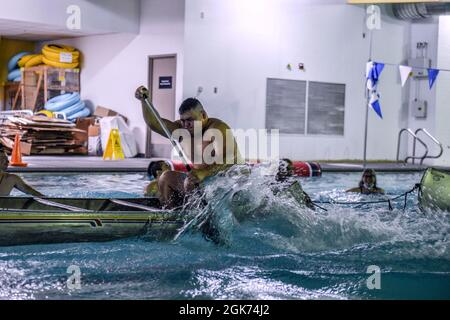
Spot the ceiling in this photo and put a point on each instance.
(35, 32)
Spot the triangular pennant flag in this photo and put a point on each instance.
(375, 104)
(432, 75)
(378, 69)
(373, 72)
(369, 66)
(405, 73)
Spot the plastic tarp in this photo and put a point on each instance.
(127, 139)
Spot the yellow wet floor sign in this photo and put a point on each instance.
(114, 149)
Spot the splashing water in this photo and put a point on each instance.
(273, 248)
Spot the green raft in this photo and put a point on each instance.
(26, 221)
(434, 192)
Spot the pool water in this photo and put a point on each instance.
(283, 251)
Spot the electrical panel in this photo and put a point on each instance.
(419, 108)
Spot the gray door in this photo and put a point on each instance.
(162, 75)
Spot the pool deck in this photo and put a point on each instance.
(97, 164)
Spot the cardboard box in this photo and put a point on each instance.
(94, 141)
(105, 112)
(81, 137)
(84, 123)
(25, 148)
(94, 130)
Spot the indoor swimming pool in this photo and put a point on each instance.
(289, 252)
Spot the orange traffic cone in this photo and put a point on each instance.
(16, 157)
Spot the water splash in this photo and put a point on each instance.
(237, 204)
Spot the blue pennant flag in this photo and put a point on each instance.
(375, 104)
(432, 75)
(373, 72)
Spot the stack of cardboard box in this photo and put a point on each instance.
(91, 127)
(42, 135)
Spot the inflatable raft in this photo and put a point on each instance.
(25, 221)
(434, 192)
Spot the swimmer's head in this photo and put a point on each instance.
(368, 179)
(156, 168)
(285, 170)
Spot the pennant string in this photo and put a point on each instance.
(397, 65)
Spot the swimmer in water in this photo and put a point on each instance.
(368, 184)
(243, 202)
(285, 185)
(155, 170)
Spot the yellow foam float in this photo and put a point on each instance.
(59, 64)
(34, 61)
(60, 56)
(22, 62)
(46, 113)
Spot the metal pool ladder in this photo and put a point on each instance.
(416, 138)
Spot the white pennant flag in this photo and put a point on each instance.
(405, 72)
(369, 67)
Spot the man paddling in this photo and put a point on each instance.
(10, 181)
(173, 185)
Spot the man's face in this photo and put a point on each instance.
(189, 117)
(4, 162)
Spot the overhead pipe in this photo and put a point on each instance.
(417, 11)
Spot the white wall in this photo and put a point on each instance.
(103, 16)
(238, 44)
(422, 31)
(115, 65)
(443, 91)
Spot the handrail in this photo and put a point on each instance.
(411, 133)
(433, 139)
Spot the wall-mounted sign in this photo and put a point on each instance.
(165, 82)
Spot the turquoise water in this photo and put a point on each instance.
(280, 251)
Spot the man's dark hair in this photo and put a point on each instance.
(155, 166)
(189, 104)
